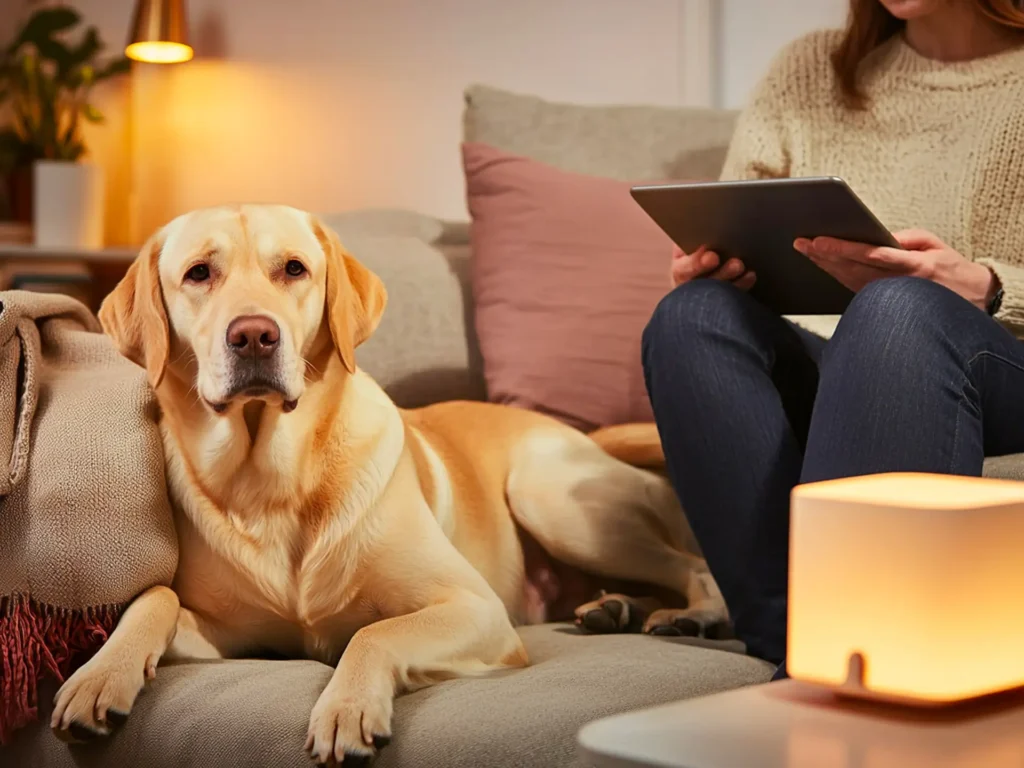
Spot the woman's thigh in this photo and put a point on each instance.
(732, 385)
(915, 379)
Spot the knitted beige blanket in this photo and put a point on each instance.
(85, 522)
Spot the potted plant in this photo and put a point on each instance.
(46, 77)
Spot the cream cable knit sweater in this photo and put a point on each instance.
(941, 146)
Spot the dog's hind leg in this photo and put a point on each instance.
(610, 519)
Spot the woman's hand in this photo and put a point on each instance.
(921, 254)
(705, 263)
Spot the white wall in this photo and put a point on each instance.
(752, 31)
(335, 104)
(330, 105)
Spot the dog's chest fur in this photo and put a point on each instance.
(267, 572)
(263, 595)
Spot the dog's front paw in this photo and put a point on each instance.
(611, 614)
(348, 727)
(98, 697)
(685, 622)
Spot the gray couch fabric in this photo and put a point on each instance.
(255, 713)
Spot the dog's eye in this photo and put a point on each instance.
(294, 268)
(198, 274)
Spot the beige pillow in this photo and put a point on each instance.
(385, 222)
(424, 350)
(617, 142)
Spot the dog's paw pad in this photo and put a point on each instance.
(116, 718)
(610, 614)
(615, 609)
(603, 620)
(84, 733)
(688, 627)
(665, 631)
(720, 630)
(682, 623)
(380, 741)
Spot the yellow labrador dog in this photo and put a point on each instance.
(318, 520)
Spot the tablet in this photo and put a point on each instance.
(757, 222)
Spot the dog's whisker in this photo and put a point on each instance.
(188, 351)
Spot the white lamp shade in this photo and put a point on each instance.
(908, 587)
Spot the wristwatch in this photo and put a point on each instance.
(997, 298)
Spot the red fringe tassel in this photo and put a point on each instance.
(38, 640)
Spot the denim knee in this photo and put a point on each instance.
(693, 312)
(896, 319)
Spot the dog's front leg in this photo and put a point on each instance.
(198, 637)
(101, 693)
(465, 634)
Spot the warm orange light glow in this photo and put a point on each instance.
(920, 574)
(159, 52)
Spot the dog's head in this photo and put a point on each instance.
(239, 300)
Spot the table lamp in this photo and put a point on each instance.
(908, 587)
(159, 32)
(905, 644)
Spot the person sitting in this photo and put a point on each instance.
(919, 106)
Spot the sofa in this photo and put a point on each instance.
(255, 712)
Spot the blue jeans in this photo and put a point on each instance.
(747, 405)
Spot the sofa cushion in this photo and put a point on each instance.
(1009, 467)
(425, 349)
(618, 142)
(567, 270)
(255, 713)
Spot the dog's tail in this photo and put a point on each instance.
(636, 444)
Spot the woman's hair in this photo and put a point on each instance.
(870, 24)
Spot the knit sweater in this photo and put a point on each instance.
(939, 147)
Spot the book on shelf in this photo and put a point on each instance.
(69, 278)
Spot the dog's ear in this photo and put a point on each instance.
(355, 298)
(133, 314)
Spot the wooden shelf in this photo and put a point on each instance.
(88, 274)
(119, 255)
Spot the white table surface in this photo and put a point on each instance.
(793, 725)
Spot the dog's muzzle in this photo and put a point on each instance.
(253, 342)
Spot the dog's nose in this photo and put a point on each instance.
(253, 336)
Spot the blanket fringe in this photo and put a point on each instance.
(37, 640)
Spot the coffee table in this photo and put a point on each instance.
(789, 724)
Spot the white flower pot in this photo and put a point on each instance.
(67, 204)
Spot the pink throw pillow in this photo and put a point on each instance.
(567, 270)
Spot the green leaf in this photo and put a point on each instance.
(48, 117)
(114, 67)
(93, 115)
(45, 78)
(84, 52)
(57, 52)
(29, 65)
(44, 24)
(71, 134)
